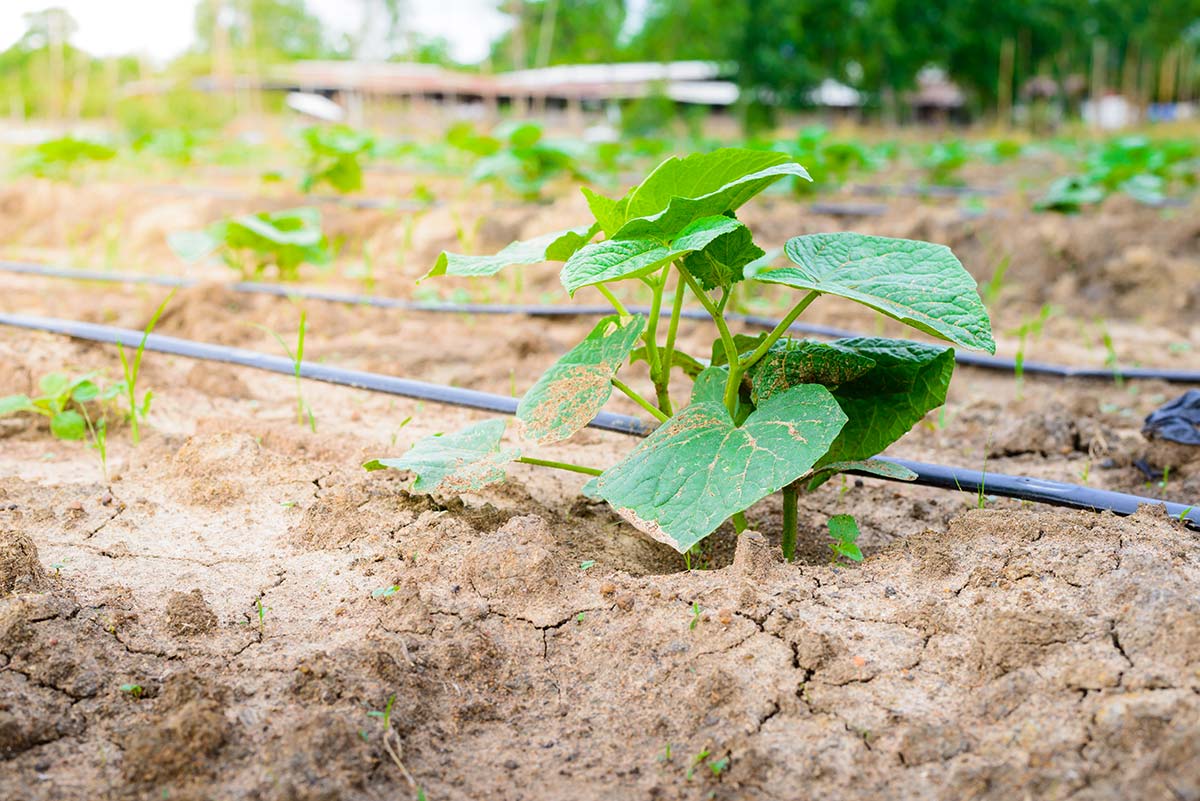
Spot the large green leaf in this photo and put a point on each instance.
(698, 469)
(791, 362)
(616, 259)
(680, 191)
(720, 264)
(918, 283)
(464, 461)
(569, 394)
(529, 251)
(909, 380)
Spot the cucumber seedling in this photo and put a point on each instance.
(253, 242)
(335, 156)
(766, 412)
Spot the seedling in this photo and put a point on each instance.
(135, 690)
(696, 611)
(54, 158)
(252, 243)
(138, 409)
(843, 530)
(767, 411)
(385, 592)
(391, 740)
(335, 156)
(587, 565)
(517, 157)
(61, 400)
(303, 410)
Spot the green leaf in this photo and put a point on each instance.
(917, 283)
(13, 404)
(84, 391)
(909, 380)
(609, 213)
(54, 385)
(68, 425)
(528, 251)
(791, 362)
(880, 468)
(698, 469)
(569, 394)
(680, 191)
(843, 530)
(722, 262)
(464, 461)
(616, 259)
(565, 246)
(194, 245)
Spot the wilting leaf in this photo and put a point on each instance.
(464, 461)
(569, 394)
(791, 362)
(697, 469)
(917, 283)
(528, 251)
(615, 259)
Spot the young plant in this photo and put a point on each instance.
(138, 410)
(252, 243)
(517, 157)
(335, 156)
(766, 411)
(54, 158)
(303, 410)
(61, 401)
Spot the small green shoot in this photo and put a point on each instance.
(587, 565)
(385, 592)
(391, 740)
(252, 243)
(134, 690)
(303, 410)
(696, 612)
(138, 410)
(843, 531)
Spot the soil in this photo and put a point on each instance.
(241, 612)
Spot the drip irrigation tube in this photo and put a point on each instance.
(534, 310)
(953, 478)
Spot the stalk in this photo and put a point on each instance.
(611, 298)
(636, 397)
(735, 372)
(574, 468)
(788, 541)
(650, 337)
(779, 330)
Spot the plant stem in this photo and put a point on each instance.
(611, 298)
(735, 372)
(650, 337)
(574, 468)
(779, 330)
(672, 330)
(788, 540)
(639, 400)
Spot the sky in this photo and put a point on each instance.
(162, 29)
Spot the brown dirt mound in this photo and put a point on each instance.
(20, 570)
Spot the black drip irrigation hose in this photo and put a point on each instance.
(1023, 488)
(534, 310)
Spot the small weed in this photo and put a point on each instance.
(696, 611)
(579, 618)
(385, 592)
(391, 741)
(134, 690)
(587, 565)
(303, 410)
